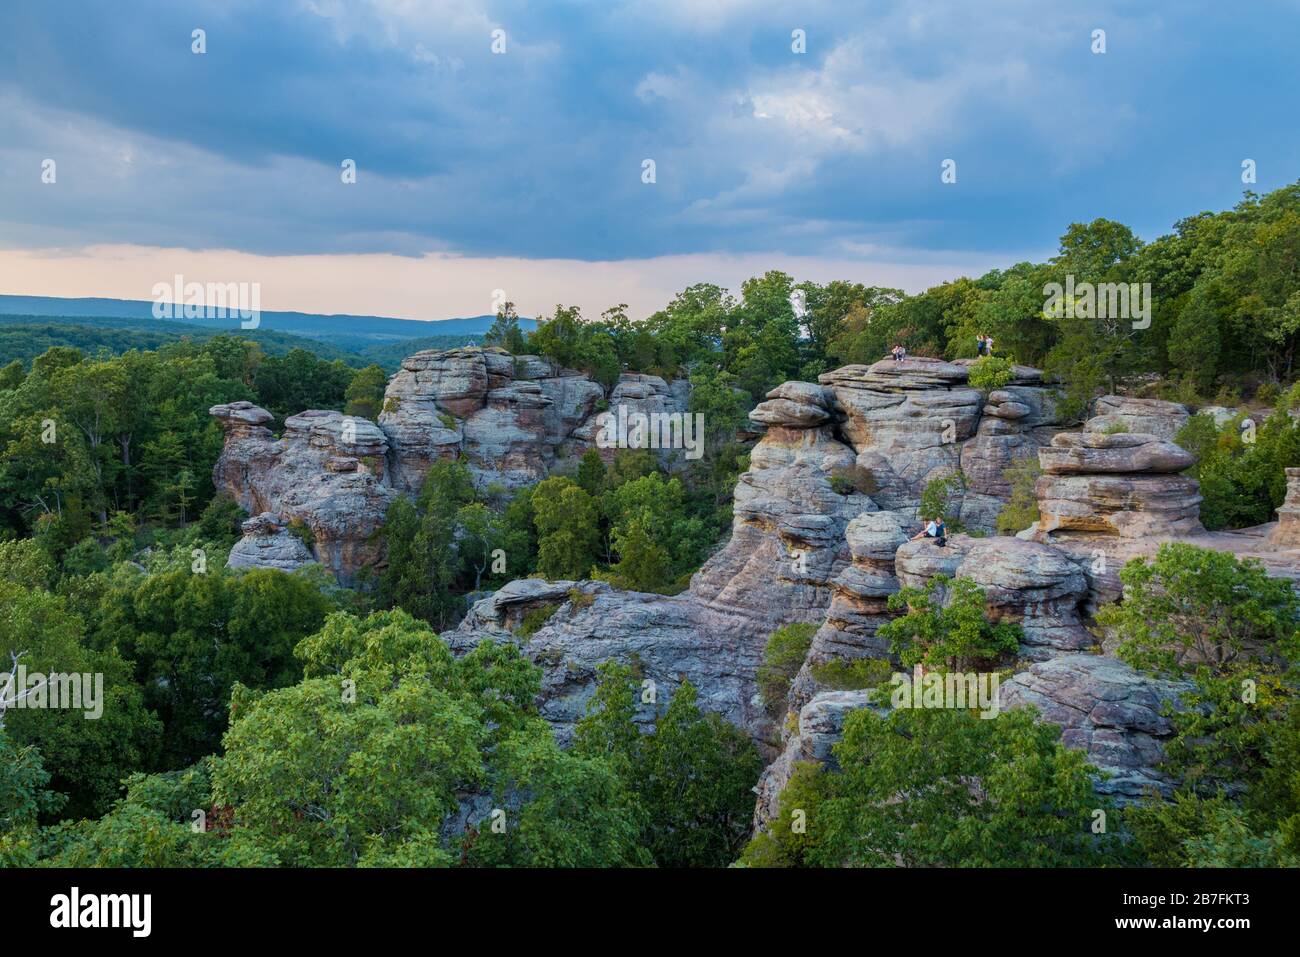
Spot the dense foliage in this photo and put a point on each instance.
(305, 724)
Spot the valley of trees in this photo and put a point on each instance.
(311, 725)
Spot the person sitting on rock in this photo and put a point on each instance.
(935, 529)
(898, 352)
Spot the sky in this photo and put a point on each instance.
(524, 168)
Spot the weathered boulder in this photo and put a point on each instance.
(268, 543)
(795, 404)
(1128, 506)
(1033, 585)
(1148, 416)
(1084, 453)
(1102, 485)
(820, 728)
(1106, 709)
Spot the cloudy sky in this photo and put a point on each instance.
(523, 170)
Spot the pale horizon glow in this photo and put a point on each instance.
(445, 286)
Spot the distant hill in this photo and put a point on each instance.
(352, 333)
(26, 337)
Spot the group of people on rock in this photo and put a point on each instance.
(983, 345)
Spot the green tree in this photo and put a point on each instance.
(945, 626)
(568, 529)
(364, 396)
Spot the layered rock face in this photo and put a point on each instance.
(786, 548)
(1106, 709)
(915, 421)
(1145, 416)
(507, 414)
(859, 602)
(1119, 484)
(1033, 585)
(328, 471)
(1287, 534)
(1017, 421)
(268, 543)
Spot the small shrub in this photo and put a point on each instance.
(782, 659)
(1115, 428)
(534, 620)
(1268, 393)
(991, 372)
(1021, 510)
(448, 420)
(299, 529)
(841, 675)
(579, 599)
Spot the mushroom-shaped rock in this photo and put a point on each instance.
(798, 405)
(268, 543)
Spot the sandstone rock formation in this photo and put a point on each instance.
(328, 471)
(786, 548)
(822, 521)
(1095, 484)
(507, 414)
(1148, 416)
(1106, 709)
(511, 417)
(268, 543)
(635, 394)
(915, 421)
(1287, 534)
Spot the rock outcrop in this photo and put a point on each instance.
(919, 420)
(1122, 485)
(821, 529)
(506, 414)
(634, 395)
(1106, 709)
(786, 548)
(268, 543)
(1287, 533)
(1146, 416)
(327, 470)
